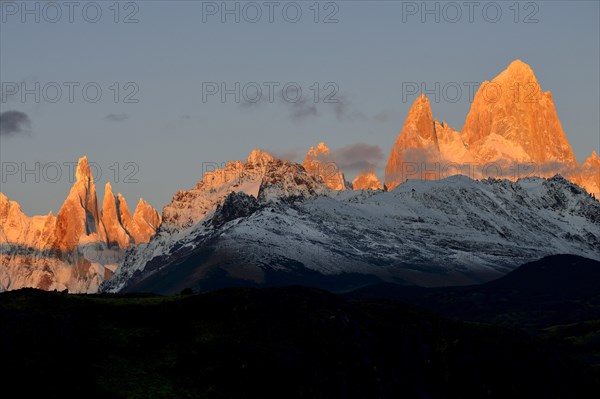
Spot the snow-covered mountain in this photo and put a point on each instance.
(286, 227)
(268, 221)
(77, 249)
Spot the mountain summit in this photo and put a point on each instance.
(416, 144)
(78, 220)
(320, 162)
(367, 181)
(77, 249)
(512, 129)
(512, 119)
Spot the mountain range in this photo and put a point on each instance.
(511, 131)
(78, 248)
(455, 208)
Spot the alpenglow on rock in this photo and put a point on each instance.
(511, 118)
(367, 181)
(589, 177)
(78, 221)
(320, 162)
(512, 131)
(260, 176)
(76, 250)
(417, 144)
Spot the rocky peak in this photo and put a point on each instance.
(589, 176)
(420, 119)
(367, 180)
(319, 162)
(259, 157)
(416, 145)
(111, 219)
(85, 238)
(511, 119)
(261, 176)
(13, 222)
(517, 71)
(147, 220)
(145, 211)
(83, 172)
(79, 217)
(321, 149)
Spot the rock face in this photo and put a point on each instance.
(511, 118)
(122, 228)
(590, 175)
(16, 227)
(235, 206)
(320, 162)
(452, 148)
(146, 220)
(416, 145)
(260, 176)
(77, 249)
(512, 131)
(112, 219)
(78, 221)
(367, 181)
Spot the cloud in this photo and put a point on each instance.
(116, 117)
(306, 107)
(358, 157)
(14, 122)
(343, 110)
(302, 109)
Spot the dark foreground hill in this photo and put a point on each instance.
(556, 289)
(556, 297)
(272, 342)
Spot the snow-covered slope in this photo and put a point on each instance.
(187, 219)
(452, 231)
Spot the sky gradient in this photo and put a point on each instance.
(164, 140)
